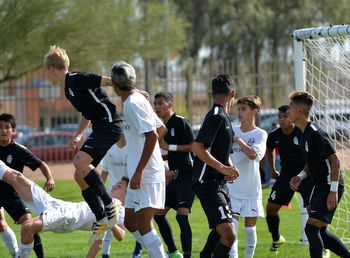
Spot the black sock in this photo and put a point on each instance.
(221, 251)
(38, 247)
(94, 180)
(213, 239)
(165, 231)
(94, 203)
(333, 243)
(273, 223)
(186, 235)
(315, 241)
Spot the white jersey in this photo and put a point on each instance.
(62, 216)
(140, 119)
(114, 163)
(248, 184)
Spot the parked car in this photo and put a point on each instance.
(49, 146)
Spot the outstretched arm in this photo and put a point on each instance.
(50, 183)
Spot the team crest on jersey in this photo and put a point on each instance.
(251, 141)
(126, 127)
(9, 159)
(295, 140)
(71, 92)
(306, 147)
(172, 132)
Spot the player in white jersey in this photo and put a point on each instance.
(114, 168)
(58, 215)
(145, 167)
(248, 149)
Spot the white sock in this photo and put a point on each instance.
(10, 241)
(24, 250)
(303, 219)
(153, 244)
(107, 241)
(250, 242)
(234, 248)
(138, 236)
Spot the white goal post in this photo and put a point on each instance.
(322, 67)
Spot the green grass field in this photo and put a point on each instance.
(75, 244)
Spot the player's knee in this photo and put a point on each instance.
(26, 227)
(227, 234)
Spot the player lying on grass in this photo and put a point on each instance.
(58, 215)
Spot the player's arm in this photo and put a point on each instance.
(203, 154)
(270, 156)
(249, 151)
(50, 182)
(151, 139)
(104, 176)
(94, 249)
(332, 200)
(84, 123)
(119, 232)
(296, 180)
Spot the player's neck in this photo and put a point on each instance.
(247, 126)
(302, 123)
(167, 117)
(61, 77)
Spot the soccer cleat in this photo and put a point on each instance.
(137, 251)
(98, 230)
(275, 245)
(326, 253)
(112, 212)
(175, 254)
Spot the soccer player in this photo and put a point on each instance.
(17, 156)
(248, 149)
(57, 215)
(113, 167)
(7, 235)
(212, 169)
(179, 193)
(145, 167)
(323, 164)
(286, 140)
(84, 91)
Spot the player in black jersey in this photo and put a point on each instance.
(286, 140)
(212, 169)
(179, 194)
(323, 164)
(84, 91)
(16, 157)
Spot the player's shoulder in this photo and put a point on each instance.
(17, 146)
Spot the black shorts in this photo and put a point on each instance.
(102, 138)
(319, 202)
(282, 194)
(179, 194)
(215, 201)
(14, 207)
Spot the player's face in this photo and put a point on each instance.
(162, 107)
(245, 113)
(50, 74)
(6, 131)
(283, 120)
(293, 112)
(119, 189)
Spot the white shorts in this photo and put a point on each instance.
(147, 196)
(247, 208)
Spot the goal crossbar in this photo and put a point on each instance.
(321, 32)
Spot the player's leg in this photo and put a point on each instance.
(227, 238)
(236, 206)
(106, 244)
(29, 228)
(273, 219)
(7, 235)
(20, 183)
(250, 236)
(305, 189)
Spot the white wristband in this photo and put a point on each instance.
(302, 175)
(334, 186)
(173, 147)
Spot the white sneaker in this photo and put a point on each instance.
(98, 230)
(112, 212)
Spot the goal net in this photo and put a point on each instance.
(322, 67)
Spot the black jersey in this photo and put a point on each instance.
(317, 146)
(16, 157)
(289, 149)
(179, 133)
(216, 134)
(84, 91)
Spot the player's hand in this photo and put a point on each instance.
(135, 182)
(275, 174)
(230, 173)
(332, 201)
(294, 183)
(49, 185)
(169, 176)
(74, 143)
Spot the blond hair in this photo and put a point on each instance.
(254, 102)
(57, 58)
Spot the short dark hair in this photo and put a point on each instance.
(222, 84)
(9, 118)
(304, 98)
(166, 95)
(283, 108)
